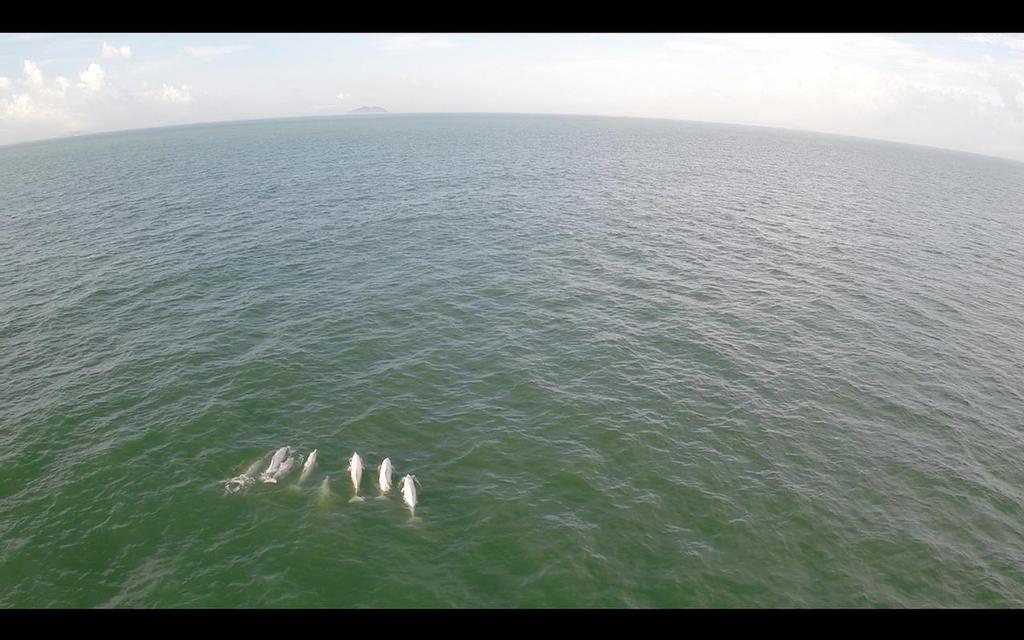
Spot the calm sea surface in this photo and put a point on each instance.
(633, 363)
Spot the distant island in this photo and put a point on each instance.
(369, 110)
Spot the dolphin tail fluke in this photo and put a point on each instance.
(357, 499)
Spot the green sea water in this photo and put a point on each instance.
(633, 363)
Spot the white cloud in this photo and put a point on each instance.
(18, 107)
(23, 107)
(861, 47)
(207, 52)
(35, 76)
(4, 82)
(1011, 92)
(108, 51)
(92, 78)
(62, 87)
(39, 104)
(405, 43)
(25, 37)
(344, 96)
(1010, 41)
(695, 47)
(150, 67)
(179, 95)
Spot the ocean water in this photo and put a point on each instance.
(633, 363)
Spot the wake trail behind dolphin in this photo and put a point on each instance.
(242, 482)
(324, 495)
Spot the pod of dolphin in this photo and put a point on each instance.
(282, 464)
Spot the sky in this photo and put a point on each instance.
(955, 91)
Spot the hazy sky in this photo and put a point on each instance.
(961, 92)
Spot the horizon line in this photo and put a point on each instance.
(74, 135)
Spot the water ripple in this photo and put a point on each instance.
(634, 363)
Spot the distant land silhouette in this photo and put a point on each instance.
(369, 110)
